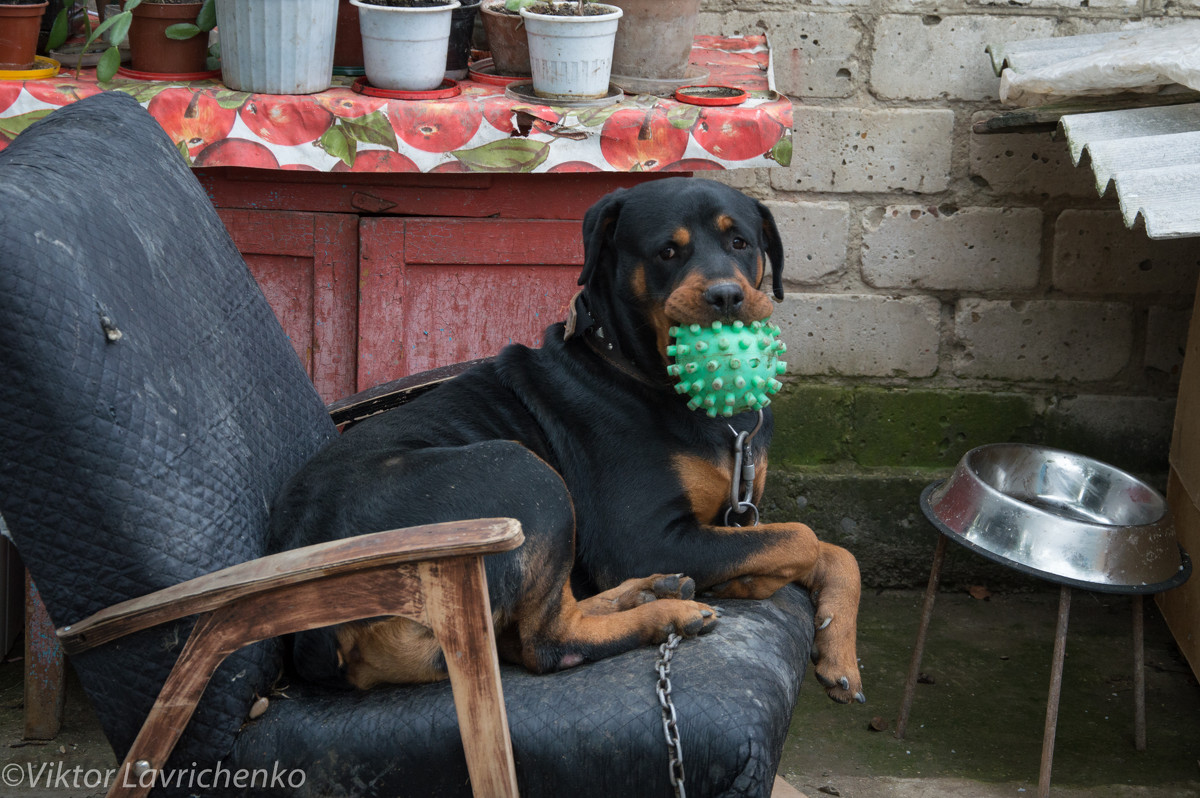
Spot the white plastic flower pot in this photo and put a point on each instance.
(404, 49)
(277, 46)
(571, 56)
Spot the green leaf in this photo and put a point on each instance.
(339, 145)
(207, 18)
(181, 145)
(139, 90)
(781, 153)
(132, 4)
(683, 116)
(108, 64)
(117, 25)
(181, 31)
(595, 117)
(11, 126)
(58, 31)
(228, 98)
(372, 128)
(507, 155)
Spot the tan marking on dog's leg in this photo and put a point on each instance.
(831, 574)
(394, 651)
(636, 592)
(580, 637)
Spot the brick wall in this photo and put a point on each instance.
(921, 255)
(947, 289)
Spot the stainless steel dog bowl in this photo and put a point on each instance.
(1060, 516)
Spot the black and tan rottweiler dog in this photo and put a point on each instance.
(622, 491)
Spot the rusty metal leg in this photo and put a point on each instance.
(1056, 673)
(45, 670)
(1139, 676)
(914, 665)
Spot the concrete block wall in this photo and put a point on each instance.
(947, 289)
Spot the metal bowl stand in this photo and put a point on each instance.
(1056, 669)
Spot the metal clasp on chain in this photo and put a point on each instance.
(741, 489)
(670, 721)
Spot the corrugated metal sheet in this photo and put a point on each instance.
(1149, 156)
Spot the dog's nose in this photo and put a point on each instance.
(726, 298)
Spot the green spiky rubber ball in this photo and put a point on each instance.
(727, 368)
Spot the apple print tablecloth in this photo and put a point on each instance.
(480, 130)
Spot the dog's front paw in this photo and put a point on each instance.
(836, 664)
(686, 618)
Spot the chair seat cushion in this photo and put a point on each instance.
(595, 730)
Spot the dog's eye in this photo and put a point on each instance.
(739, 243)
(668, 253)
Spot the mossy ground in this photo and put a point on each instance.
(980, 719)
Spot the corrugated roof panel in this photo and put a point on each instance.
(1167, 199)
(1151, 156)
(1033, 53)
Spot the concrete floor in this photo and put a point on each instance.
(976, 724)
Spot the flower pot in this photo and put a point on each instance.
(277, 46)
(404, 47)
(506, 40)
(347, 45)
(462, 25)
(655, 37)
(19, 29)
(151, 50)
(571, 56)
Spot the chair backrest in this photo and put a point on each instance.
(151, 404)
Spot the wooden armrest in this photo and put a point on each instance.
(383, 397)
(323, 560)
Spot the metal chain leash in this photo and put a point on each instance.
(670, 725)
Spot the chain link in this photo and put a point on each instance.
(670, 722)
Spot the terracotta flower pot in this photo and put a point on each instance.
(19, 28)
(506, 40)
(151, 50)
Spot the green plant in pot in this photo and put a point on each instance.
(145, 30)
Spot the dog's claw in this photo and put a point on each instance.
(844, 683)
(860, 698)
(825, 623)
(706, 613)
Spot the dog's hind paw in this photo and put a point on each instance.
(842, 689)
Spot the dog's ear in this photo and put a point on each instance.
(598, 225)
(773, 244)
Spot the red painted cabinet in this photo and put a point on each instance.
(379, 278)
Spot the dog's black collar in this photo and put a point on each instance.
(582, 324)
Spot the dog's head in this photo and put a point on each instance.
(674, 252)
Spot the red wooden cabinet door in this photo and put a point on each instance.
(307, 266)
(441, 291)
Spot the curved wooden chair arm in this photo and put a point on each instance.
(364, 553)
(433, 574)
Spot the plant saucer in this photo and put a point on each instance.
(449, 88)
(42, 68)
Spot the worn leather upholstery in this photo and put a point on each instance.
(153, 406)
